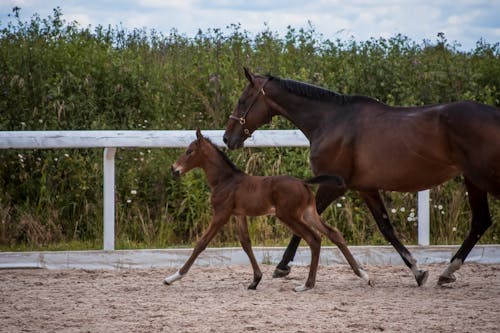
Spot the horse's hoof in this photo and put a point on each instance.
(301, 288)
(421, 277)
(371, 283)
(279, 273)
(445, 279)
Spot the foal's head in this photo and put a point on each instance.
(204, 154)
(194, 156)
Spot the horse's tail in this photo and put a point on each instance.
(334, 180)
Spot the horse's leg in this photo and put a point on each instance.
(377, 208)
(282, 269)
(214, 226)
(247, 247)
(324, 197)
(336, 237)
(481, 221)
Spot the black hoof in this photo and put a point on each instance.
(254, 283)
(421, 277)
(279, 273)
(446, 279)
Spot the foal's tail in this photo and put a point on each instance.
(334, 180)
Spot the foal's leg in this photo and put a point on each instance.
(314, 242)
(481, 221)
(247, 247)
(377, 208)
(300, 227)
(336, 237)
(214, 226)
(324, 197)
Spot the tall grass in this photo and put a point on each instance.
(57, 75)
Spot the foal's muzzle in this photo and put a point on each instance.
(175, 173)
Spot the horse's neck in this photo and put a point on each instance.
(305, 115)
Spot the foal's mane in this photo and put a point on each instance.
(224, 157)
(314, 92)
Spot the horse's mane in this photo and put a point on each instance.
(224, 157)
(314, 92)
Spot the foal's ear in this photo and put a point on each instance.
(198, 134)
(249, 75)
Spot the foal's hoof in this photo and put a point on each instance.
(301, 288)
(421, 277)
(254, 284)
(172, 278)
(445, 279)
(279, 273)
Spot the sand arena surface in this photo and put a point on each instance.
(215, 299)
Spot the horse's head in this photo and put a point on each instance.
(193, 156)
(250, 113)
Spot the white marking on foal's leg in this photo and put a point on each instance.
(301, 288)
(364, 276)
(172, 278)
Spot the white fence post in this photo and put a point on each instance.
(109, 198)
(423, 218)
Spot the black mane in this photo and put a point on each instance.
(224, 157)
(314, 92)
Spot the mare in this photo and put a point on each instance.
(233, 192)
(374, 147)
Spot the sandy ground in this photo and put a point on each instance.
(215, 299)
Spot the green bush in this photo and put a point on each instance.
(57, 75)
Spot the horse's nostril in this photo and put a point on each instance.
(224, 138)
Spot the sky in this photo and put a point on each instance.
(462, 21)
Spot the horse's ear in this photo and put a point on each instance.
(199, 137)
(249, 75)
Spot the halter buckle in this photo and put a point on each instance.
(242, 121)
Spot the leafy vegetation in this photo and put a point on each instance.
(57, 75)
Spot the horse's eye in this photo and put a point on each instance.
(188, 152)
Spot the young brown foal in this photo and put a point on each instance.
(235, 193)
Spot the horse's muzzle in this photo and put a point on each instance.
(232, 143)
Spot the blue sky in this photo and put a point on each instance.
(464, 21)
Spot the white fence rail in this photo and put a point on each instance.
(110, 140)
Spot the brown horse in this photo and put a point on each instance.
(235, 193)
(373, 147)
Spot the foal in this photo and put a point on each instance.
(235, 193)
